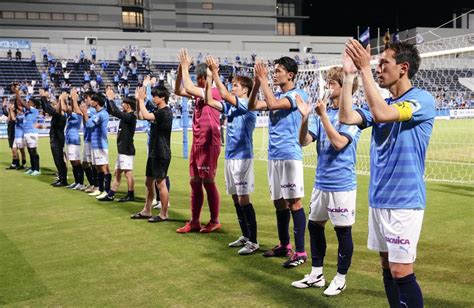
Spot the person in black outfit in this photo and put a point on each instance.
(159, 156)
(125, 145)
(7, 111)
(56, 135)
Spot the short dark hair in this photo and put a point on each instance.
(245, 82)
(289, 64)
(131, 101)
(406, 52)
(36, 102)
(162, 92)
(99, 98)
(201, 70)
(89, 94)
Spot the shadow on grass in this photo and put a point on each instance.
(462, 190)
(18, 280)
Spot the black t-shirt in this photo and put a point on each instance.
(126, 132)
(58, 122)
(160, 133)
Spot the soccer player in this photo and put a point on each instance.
(159, 157)
(401, 129)
(99, 143)
(73, 140)
(334, 192)
(285, 165)
(8, 110)
(56, 136)
(89, 170)
(238, 162)
(30, 132)
(125, 145)
(205, 148)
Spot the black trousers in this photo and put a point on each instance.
(57, 151)
(11, 133)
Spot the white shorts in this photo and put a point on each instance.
(285, 178)
(73, 152)
(19, 143)
(395, 231)
(124, 162)
(100, 157)
(87, 152)
(31, 140)
(338, 206)
(239, 178)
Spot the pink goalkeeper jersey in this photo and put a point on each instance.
(206, 123)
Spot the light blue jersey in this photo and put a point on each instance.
(283, 128)
(398, 151)
(87, 130)
(240, 126)
(336, 169)
(72, 129)
(98, 124)
(31, 117)
(19, 125)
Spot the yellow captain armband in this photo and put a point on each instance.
(405, 110)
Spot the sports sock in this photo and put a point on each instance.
(249, 214)
(283, 225)
(242, 221)
(345, 249)
(89, 175)
(391, 289)
(299, 228)
(317, 240)
(107, 180)
(213, 199)
(95, 176)
(100, 181)
(410, 292)
(111, 193)
(131, 194)
(197, 199)
(316, 271)
(80, 175)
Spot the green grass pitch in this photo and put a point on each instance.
(62, 248)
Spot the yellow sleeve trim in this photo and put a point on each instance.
(405, 110)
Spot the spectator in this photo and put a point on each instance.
(9, 54)
(64, 64)
(33, 59)
(93, 54)
(66, 74)
(116, 79)
(98, 78)
(18, 54)
(76, 62)
(2, 91)
(44, 52)
(104, 64)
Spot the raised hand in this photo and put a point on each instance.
(141, 96)
(110, 94)
(212, 64)
(359, 55)
(146, 80)
(83, 108)
(348, 65)
(74, 95)
(321, 107)
(184, 58)
(261, 71)
(303, 107)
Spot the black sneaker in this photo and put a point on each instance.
(59, 184)
(126, 199)
(106, 198)
(11, 167)
(279, 251)
(20, 167)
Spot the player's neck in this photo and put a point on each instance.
(287, 86)
(399, 88)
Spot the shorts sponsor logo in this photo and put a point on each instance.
(290, 186)
(397, 240)
(205, 168)
(337, 210)
(243, 183)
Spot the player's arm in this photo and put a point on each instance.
(381, 111)
(208, 99)
(338, 141)
(12, 114)
(185, 62)
(75, 104)
(305, 109)
(143, 113)
(347, 114)
(63, 102)
(261, 74)
(214, 68)
(178, 84)
(254, 103)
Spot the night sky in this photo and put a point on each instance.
(326, 20)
